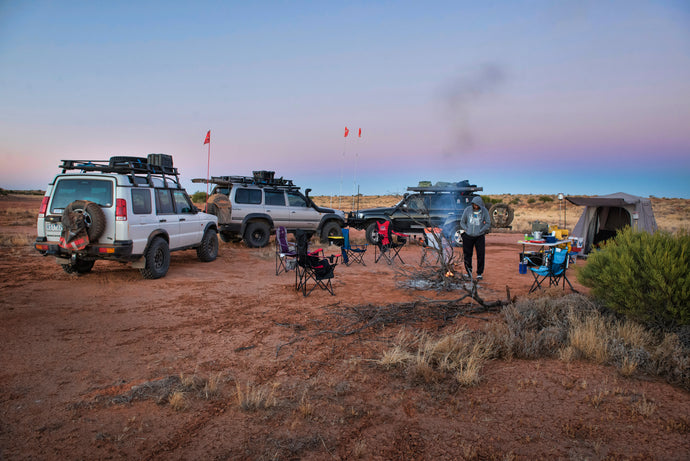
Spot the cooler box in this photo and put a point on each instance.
(163, 160)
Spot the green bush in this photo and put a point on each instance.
(546, 198)
(199, 197)
(645, 277)
(488, 201)
(531, 200)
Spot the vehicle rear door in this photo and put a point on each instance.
(167, 219)
(411, 215)
(276, 206)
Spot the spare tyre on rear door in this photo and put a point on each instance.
(94, 218)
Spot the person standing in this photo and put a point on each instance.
(476, 223)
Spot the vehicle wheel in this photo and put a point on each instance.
(372, 233)
(257, 234)
(157, 259)
(208, 250)
(454, 234)
(94, 218)
(501, 215)
(331, 229)
(80, 266)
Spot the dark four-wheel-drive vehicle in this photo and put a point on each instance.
(251, 207)
(126, 209)
(427, 205)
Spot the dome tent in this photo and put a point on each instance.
(604, 215)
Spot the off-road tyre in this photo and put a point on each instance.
(453, 233)
(208, 250)
(257, 234)
(501, 215)
(80, 266)
(157, 259)
(330, 229)
(94, 218)
(372, 233)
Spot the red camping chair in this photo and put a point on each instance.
(389, 243)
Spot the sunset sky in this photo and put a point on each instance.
(541, 97)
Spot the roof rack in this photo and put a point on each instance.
(124, 165)
(260, 178)
(460, 186)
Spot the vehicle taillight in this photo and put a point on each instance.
(120, 209)
(44, 207)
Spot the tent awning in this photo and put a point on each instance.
(597, 201)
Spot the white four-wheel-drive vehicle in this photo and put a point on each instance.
(251, 207)
(127, 209)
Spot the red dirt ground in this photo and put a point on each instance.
(84, 359)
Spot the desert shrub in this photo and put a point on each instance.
(531, 200)
(198, 197)
(643, 276)
(545, 198)
(515, 201)
(488, 200)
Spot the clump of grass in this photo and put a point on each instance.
(253, 398)
(14, 240)
(177, 401)
(459, 354)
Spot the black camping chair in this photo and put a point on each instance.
(387, 247)
(313, 267)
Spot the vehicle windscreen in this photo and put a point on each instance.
(94, 190)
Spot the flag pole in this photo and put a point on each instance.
(354, 179)
(342, 165)
(208, 167)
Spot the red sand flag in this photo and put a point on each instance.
(346, 132)
(360, 133)
(208, 137)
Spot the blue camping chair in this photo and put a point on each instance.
(352, 253)
(552, 269)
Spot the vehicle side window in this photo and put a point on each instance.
(441, 202)
(275, 197)
(296, 200)
(164, 203)
(248, 196)
(182, 202)
(416, 203)
(141, 201)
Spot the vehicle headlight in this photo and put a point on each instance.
(360, 215)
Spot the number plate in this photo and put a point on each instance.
(53, 229)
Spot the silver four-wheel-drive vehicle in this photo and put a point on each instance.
(126, 209)
(439, 205)
(251, 207)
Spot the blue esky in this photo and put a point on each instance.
(579, 97)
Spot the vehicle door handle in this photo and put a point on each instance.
(182, 219)
(162, 220)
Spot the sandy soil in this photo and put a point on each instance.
(90, 365)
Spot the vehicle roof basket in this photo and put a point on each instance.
(460, 186)
(259, 178)
(130, 166)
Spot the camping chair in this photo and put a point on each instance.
(313, 267)
(386, 247)
(434, 246)
(352, 253)
(286, 252)
(554, 269)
